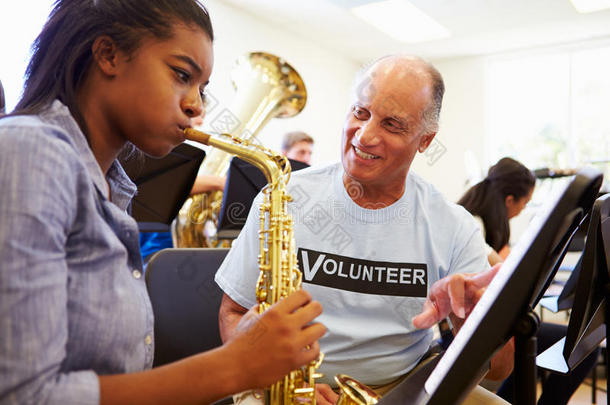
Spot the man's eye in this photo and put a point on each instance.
(360, 113)
(393, 126)
(203, 96)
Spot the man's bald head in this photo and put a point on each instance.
(406, 67)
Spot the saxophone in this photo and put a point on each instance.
(279, 275)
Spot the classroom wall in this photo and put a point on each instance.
(327, 76)
(462, 127)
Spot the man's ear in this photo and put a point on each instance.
(105, 54)
(425, 141)
(509, 201)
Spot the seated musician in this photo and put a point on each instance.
(297, 145)
(502, 195)
(76, 322)
(499, 197)
(383, 251)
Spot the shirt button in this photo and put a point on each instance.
(148, 340)
(136, 274)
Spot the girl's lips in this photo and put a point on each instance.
(181, 133)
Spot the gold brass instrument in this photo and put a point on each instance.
(267, 87)
(353, 392)
(279, 275)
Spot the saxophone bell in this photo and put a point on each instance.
(353, 392)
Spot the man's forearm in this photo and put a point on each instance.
(502, 363)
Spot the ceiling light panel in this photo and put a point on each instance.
(589, 6)
(401, 20)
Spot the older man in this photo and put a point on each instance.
(383, 251)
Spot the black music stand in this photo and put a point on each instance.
(591, 310)
(163, 185)
(505, 309)
(244, 182)
(565, 299)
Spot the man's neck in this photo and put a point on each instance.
(373, 197)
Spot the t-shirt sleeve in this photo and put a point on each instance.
(481, 224)
(238, 273)
(470, 250)
(37, 209)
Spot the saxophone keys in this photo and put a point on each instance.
(300, 391)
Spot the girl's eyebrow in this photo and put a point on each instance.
(191, 62)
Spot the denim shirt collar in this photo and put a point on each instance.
(122, 189)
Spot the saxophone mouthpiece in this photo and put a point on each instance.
(197, 136)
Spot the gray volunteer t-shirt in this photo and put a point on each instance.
(370, 268)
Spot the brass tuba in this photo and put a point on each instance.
(267, 87)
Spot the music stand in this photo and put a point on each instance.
(565, 299)
(505, 309)
(163, 185)
(244, 182)
(590, 313)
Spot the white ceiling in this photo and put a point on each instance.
(478, 26)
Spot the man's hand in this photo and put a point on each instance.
(325, 395)
(456, 295)
(204, 183)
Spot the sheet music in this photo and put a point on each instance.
(489, 296)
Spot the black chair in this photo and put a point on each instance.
(185, 300)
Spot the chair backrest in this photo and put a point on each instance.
(185, 300)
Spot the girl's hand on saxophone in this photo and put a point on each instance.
(270, 345)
